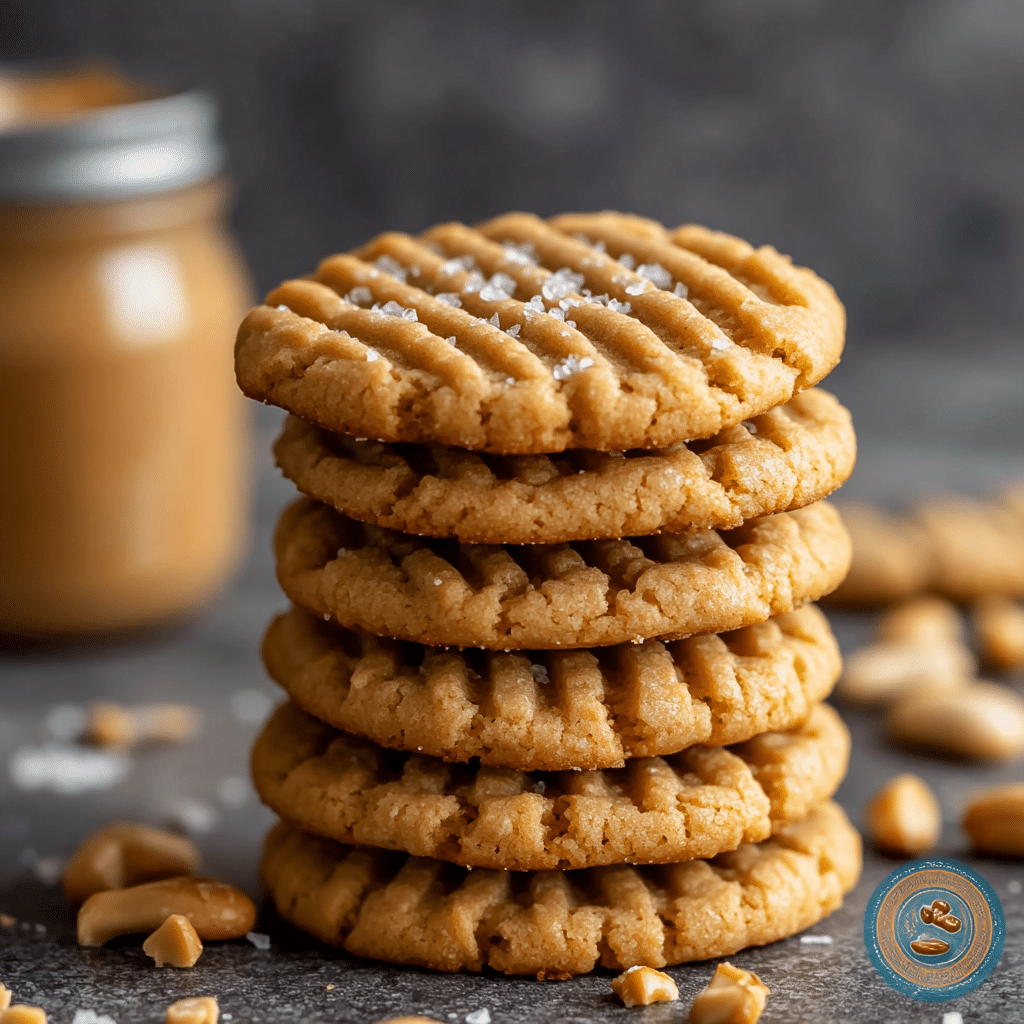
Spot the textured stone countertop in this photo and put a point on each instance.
(925, 419)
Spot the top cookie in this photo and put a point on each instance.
(600, 331)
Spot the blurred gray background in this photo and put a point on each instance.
(879, 141)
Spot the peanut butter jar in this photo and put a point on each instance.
(122, 435)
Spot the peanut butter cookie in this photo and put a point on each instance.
(603, 331)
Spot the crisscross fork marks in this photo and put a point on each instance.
(561, 346)
(560, 595)
(557, 924)
(783, 459)
(555, 710)
(698, 803)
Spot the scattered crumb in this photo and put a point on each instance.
(816, 940)
(65, 769)
(481, 1016)
(259, 940)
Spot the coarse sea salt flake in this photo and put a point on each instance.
(449, 299)
(495, 321)
(636, 289)
(389, 265)
(720, 344)
(359, 296)
(451, 341)
(283, 308)
(816, 940)
(474, 282)
(259, 940)
(372, 355)
(655, 273)
(627, 260)
(680, 291)
(510, 380)
(523, 253)
(560, 283)
(570, 365)
(482, 1016)
(953, 1017)
(513, 331)
(456, 266)
(619, 307)
(558, 314)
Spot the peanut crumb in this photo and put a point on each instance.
(175, 942)
(196, 1010)
(641, 986)
(733, 996)
(19, 1013)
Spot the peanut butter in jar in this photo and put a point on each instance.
(122, 434)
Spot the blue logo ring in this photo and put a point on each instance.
(934, 929)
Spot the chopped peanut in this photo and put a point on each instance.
(922, 619)
(981, 720)
(995, 821)
(904, 817)
(19, 1013)
(120, 856)
(197, 1010)
(114, 725)
(641, 986)
(886, 670)
(175, 942)
(733, 996)
(216, 910)
(999, 623)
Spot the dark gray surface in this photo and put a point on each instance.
(925, 420)
(879, 142)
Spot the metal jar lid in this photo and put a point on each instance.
(134, 149)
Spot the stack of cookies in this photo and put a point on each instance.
(551, 584)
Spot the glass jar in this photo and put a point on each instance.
(122, 454)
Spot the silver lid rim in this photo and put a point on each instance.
(139, 148)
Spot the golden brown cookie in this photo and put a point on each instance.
(784, 459)
(555, 924)
(555, 710)
(584, 594)
(697, 803)
(523, 336)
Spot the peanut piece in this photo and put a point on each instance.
(999, 623)
(904, 817)
(19, 1013)
(216, 910)
(5, 996)
(123, 855)
(995, 821)
(197, 1010)
(175, 942)
(981, 720)
(114, 725)
(884, 671)
(641, 986)
(922, 618)
(408, 1020)
(732, 997)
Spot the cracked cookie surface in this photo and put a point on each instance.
(786, 458)
(556, 710)
(583, 594)
(555, 924)
(697, 803)
(599, 331)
